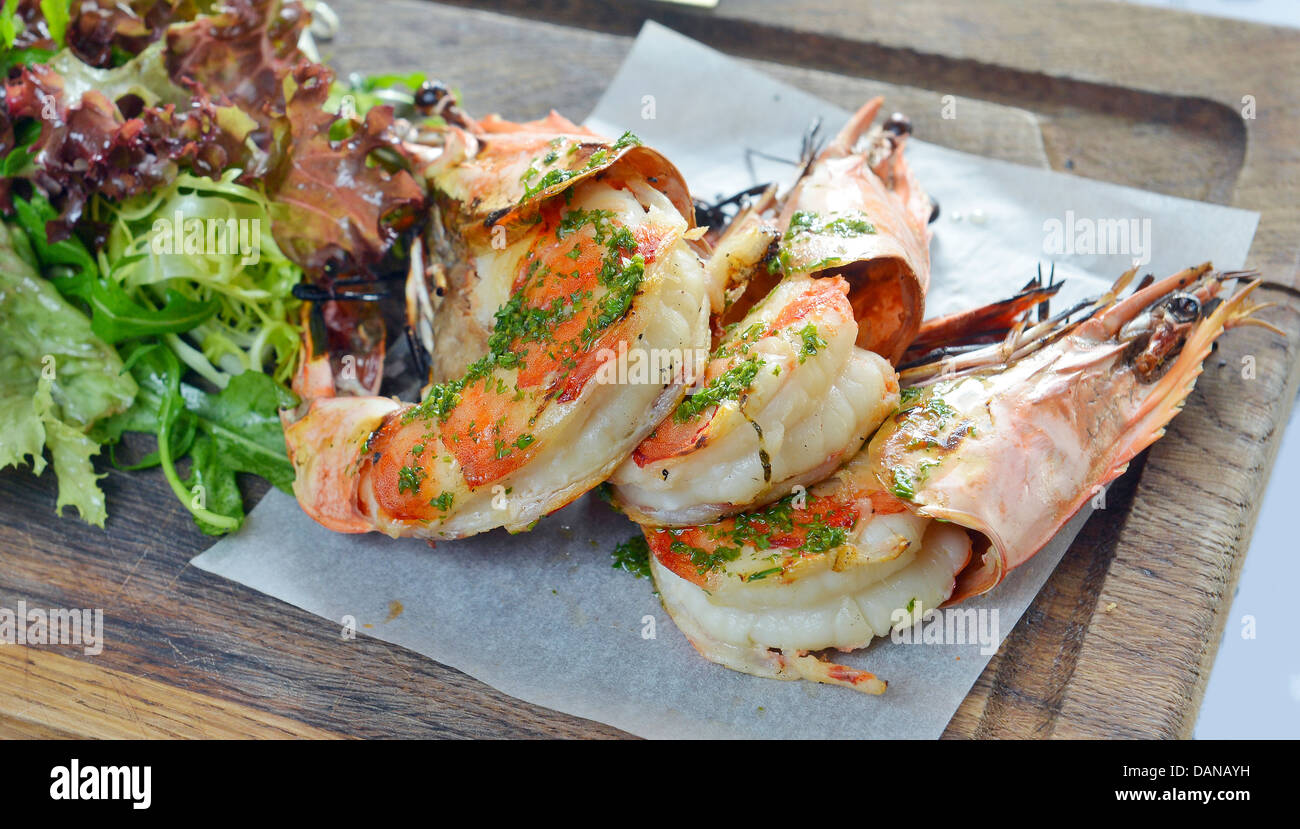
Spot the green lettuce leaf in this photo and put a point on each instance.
(71, 450)
(57, 379)
(145, 76)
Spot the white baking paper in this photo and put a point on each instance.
(545, 618)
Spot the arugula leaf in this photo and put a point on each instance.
(30, 56)
(25, 134)
(234, 430)
(32, 217)
(244, 421)
(116, 317)
(168, 413)
(633, 556)
(212, 485)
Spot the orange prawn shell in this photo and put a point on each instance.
(888, 268)
(1028, 445)
(481, 171)
(324, 447)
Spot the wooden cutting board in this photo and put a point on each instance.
(1122, 637)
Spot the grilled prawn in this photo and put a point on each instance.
(490, 175)
(787, 398)
(976, 471)
(798, 382)
(553, 251)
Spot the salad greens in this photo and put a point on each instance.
(232, 281)
(365, 92)
(115, 315)
(56, 380)
(156, 212)
(234, 430)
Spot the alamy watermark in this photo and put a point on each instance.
(208, 237)
(914, 625)
(1083, 235)
(81, 627)
(74, 781)
(650, 366)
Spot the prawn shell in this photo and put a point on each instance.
(324, 447)
(1028, 445)
(888, 268)
(480, 175)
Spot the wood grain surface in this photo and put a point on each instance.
(1122, 637)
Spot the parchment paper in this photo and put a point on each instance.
(545, 618)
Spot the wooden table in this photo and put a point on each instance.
(1120, 641)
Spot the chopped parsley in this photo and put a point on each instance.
(812, 342)
(517, 322)
(410, 478)
(558, 175)
(821, 538)
(443, 502)
(924, 416)
(852, 223)
(729, 385)
(622, 283)
(440, 400)
(739, 343)
(575, 220)
(553, 177)
(704, 560)
(759, 530)
(605, 492)
(903, 482)
(762, 574)
(810, 223)
(626, 140)
(633, 556)
(780, 263)
(910, 395)
(756, 528)
(940, 409)
(823, 263)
